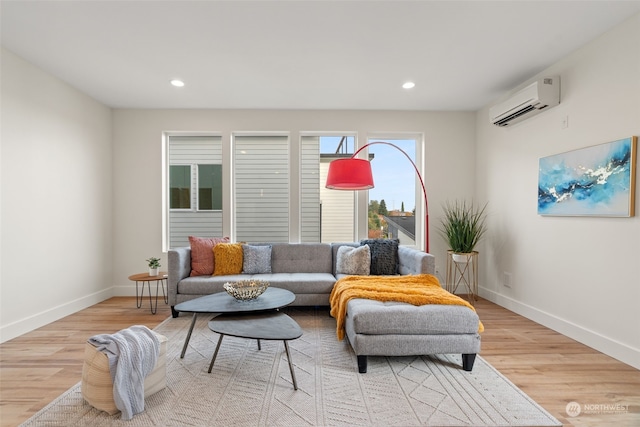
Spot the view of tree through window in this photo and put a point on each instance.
(394, 179)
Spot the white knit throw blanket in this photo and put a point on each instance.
(132, 355)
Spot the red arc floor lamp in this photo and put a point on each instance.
(355, 174)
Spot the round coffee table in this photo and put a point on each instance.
(222, 302)
(270, 325)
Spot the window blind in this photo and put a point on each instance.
(261, 183)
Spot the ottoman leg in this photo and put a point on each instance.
(467, 361)
(362, 364)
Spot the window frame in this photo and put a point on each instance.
(227, 223)
(419, 160)
(237, 140)
(216, 138)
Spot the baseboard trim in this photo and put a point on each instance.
(28, 324)
(613, 348)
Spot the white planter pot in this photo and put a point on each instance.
(153, 271)
(461, 258)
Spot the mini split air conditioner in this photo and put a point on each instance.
(533, 99)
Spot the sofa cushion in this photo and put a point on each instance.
(384, 256)
(298, 283)
(381, 318)
(301, 258)
(205, 285)
(202, 262)
(228, 258)
(256, 259)
(355, 261)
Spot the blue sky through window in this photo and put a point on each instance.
(393, 174)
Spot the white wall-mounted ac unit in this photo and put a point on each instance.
(533, 99)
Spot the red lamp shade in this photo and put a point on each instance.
(349, 174)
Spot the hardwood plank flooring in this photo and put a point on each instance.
(37, 367)
(552, 369)
(555, 370)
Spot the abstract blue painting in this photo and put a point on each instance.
(592, 181)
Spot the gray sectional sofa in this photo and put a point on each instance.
(306, 269)
(373, 328)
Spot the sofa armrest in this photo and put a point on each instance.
(414, 261)
(179, 268)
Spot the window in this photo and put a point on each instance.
(392, 202)
(180, 186)
(310, 182)
(261, 188)
(209, 187)
(326, 215)
(260, 210)
(195, 188)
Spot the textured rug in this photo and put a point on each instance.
(248, 387)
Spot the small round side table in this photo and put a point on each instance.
(144, 277)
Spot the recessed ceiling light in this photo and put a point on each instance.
(408, 85)
(177, 83)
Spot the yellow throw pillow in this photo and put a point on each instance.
(228, 259)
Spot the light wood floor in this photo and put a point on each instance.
(552, 369)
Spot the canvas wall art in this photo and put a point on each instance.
(592, 181)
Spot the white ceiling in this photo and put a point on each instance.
(462, 55)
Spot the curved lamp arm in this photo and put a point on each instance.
(355, 174)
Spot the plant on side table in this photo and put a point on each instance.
(462, 226)
(154, 266)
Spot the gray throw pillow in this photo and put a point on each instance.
(256, 259)
(384, 256)
(356, 261)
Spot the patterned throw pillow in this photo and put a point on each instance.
(384, 256)
(228, 258)
(356, 261)
(202, 254)
(257, 259)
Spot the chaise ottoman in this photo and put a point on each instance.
(376, 328)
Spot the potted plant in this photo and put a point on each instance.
(154, 266)
(462, 226)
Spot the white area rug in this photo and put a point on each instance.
(248, 387)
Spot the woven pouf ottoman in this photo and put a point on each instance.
(97, 386)
(376, 328)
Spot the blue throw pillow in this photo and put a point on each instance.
(256, 259)
(384, 256)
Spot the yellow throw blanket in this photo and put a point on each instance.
(418, 289)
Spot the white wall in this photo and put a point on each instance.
(449, 140)
(56, 199)
(577, 275)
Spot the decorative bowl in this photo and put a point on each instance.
(246, 290)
